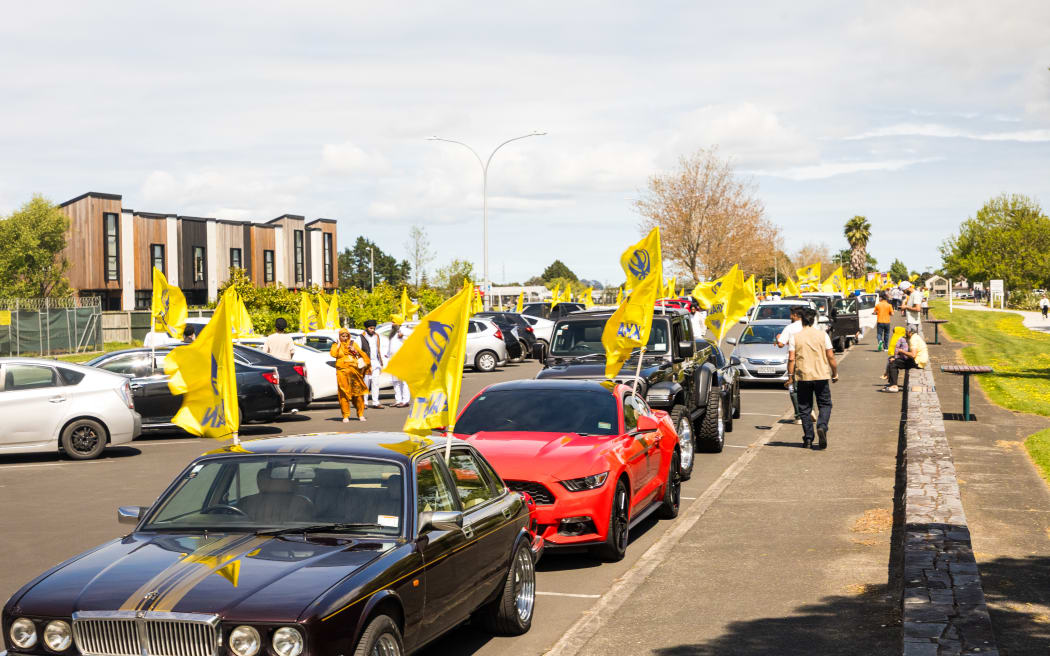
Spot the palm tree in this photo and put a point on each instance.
(858, 232)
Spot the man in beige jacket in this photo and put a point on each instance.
(812, 366)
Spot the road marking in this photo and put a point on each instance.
(758, 391)
(759, 414)
(688, 498)
(737, 446)
(78, 463)
(569, 594)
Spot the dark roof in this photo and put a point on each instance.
(332, 221)
(195, 218)
(153, 215)
(93, 194)
(550, 384)
(390, 446)
(288, 216)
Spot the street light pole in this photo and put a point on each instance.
(485, 199)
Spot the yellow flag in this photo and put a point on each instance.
(408, 308)
(555, 296)
(521, 302)
(749, 285)
(706, 293)
(203, 373)
(331, 316)
(307, 317)
(791, 288)
(619, 295)
(431, 362)
(477, 305)
(322, 311)
(240, 320)
(169, 306)
(588, 297)
(809, 277)
(566, 295)
(913, 277)
(898, 332)
(833, 282)
(733, 302)
(629, 325)
(871, 286)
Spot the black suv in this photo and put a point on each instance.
(684, 375)
(508, 320)
(843, 318)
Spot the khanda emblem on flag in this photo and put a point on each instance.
(215, 416)
(437, 331)
(639, 264)
(629, 330)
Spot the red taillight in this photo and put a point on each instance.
(529, 329)
(499, 335)
(300, 369)
(271, 378)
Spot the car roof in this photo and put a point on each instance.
(551, 384)
(401, 447)
(47, 362)
(605, 313)
(785, 301)
(769, 322)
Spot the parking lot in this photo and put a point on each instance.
(56, 508)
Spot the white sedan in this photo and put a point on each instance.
(58, 406)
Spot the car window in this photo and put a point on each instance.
(432, 493)
(129, 364)
(846, 305)
(716, 358)
(630, 414)
(540, 410)
(763, 334)
(19, 377)
(69, 376)
(471, 484)
(472, 327)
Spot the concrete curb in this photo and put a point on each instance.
(943, 607)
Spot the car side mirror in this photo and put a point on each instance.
(742, 320)
(731, 340)
(130, 514)
(734, 361)
(647, 424)
(686, 349)
(440, 520)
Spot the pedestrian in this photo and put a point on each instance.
(900, 345)
(278, 343)
(1044, 305)
(812, 368)
(697, 316)
(372, 346)
(883, 317)
(155, 338)
(189, 333)
(397, 339)
(351, 367)
(912, 305)
(925, 305)
(782, 340)
(916, 356)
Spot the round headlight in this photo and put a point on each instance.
(58, 636)
(288, 641)
(23, 633)
(245, 641)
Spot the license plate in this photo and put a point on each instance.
(766, 370)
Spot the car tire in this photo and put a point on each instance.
(543, 347)
(736, 401)
(486, 361)
(837, 345)
(510, 614)
(683, 423)
(380, 636)
(83, 439)
(526, 352)
(615, 546)
(711, 433)
(728, 421)
(672, 500)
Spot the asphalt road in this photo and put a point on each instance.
(55, 508)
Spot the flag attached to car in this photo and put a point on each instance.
(307, 317)
(169, 306)
(629, 325)
(734, 300)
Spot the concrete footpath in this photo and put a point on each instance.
(1007, 508)
(795, 556)
(1029, 319)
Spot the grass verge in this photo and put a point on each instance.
(1038, 445)
(106, 348)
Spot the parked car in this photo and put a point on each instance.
(291, 375)
(595, 458)
(682, 374)
(259, 393)
(781, 310)
(319, 366)
(542, 328)
(486, 346)
(761, 360)
(545, 311)
(317, 545)
(525, 332)
(58, 406)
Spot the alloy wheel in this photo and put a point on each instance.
(524, 585)
(676, 482)
(85, 439)
(685, 441)
(620, 520)
(386, 646)
(488, 361)
(721, 422)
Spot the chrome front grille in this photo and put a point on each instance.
(131, 633)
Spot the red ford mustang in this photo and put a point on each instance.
(595, 459)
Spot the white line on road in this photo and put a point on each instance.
(688, 498)
(569, 594)
(759, 414)
(737, 446)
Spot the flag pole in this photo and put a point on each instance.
(637, 372)
(152, 341)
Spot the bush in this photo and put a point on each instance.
(1022, 300)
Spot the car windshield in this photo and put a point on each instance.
(822, 303)
(257, 493)
(760, 334)
(774, 312)
(846, 305)
(574, 338)
(541, 410)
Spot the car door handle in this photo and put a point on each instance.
(468, 532)
(57, 399)
(508, 513)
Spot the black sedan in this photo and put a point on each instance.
(331, 544)
(508, 320)
(258, 391)
(291, 374)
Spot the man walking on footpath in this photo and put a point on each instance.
(279, 344)
(783, 338)
(371, 347)
(397, 339)
(1044, 305)
(912, 306)
(883, 317)
(812, 367)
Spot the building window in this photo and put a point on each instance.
(235, 258)
(299, 259)
(267, 266)
(143, 299)
(328, 257)
(156, 254)
(198, 264)
(112, 246)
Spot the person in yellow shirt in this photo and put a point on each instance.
(351, 367)
(916, 357)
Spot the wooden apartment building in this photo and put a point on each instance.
(112, 251)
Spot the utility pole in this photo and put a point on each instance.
(372, 266)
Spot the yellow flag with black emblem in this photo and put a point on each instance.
(629, 325)
(203, 373)
(307, 317)
(707, 293)
(809, 277)
(791, 288)
(169, 306)
(834, 282)
(431, 362)
(733, 302)
(331, 316)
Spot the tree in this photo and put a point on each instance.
(858, 232)
(557, 269)
(811, 253)
(419, 253)
(450, 277)
(898, 271)
(1008, 239)
(355, 266)
(31, 260)
(709, 218)
(871, 265)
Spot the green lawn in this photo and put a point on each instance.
(1020, 357)
(107, 347)
(1038, 445)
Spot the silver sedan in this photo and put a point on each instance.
(761, 360)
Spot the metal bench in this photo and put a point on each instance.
(966, 370)
(936, 324)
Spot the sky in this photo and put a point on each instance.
(912, 114)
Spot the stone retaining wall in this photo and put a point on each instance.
(943, 611)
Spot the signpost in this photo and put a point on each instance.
(996, 287)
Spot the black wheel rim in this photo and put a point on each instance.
(620, 519)
(675, 483)
(84, 439)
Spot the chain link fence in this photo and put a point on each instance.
(45, 326)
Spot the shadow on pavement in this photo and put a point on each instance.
(1018, 594)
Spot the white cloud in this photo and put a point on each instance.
(348, 157)
(235, 195)
(753, 136)
(831, 169)
(946, 131)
